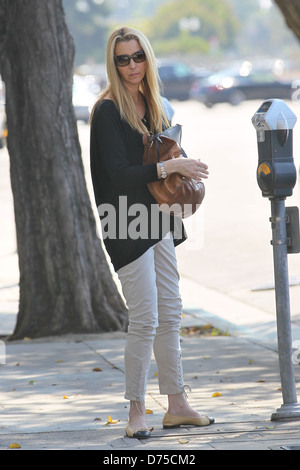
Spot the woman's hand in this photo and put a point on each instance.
(187, 167)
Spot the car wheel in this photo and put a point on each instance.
(236, 97)
(208, 104)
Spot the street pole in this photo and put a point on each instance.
(290, 407)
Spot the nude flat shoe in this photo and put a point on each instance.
(173, 421)
(140, 434)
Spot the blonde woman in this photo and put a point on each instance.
(138, 238)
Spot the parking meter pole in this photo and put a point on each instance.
(276, 177)
(284, 333)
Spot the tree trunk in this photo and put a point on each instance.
(65, 282)
(291, 12)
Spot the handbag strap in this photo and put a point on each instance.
(157, 148)
(151, 139)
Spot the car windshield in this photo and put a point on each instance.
(219, 76)
(255, 76)
(263, 76)
(176, 70)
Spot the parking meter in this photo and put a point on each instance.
(276, 172)
(276, 177)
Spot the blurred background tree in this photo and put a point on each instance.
(262, 30)
(208, 31)
(291, 13)
(194, 26)
(88, 23)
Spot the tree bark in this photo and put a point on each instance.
(65, 282)
(291, 12)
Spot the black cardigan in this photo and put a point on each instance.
(120, 180)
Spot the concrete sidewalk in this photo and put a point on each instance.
(66, 393)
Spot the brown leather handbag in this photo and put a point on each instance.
(174, 194)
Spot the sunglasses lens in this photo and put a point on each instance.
(139, 57)
(123, 60)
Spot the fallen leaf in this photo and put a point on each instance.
(97, 369)
(260, 381)
(271, 427)
(216, 394)
(149, 412)
(251, 361)
(15, 445)
(183, 441)
(31, 382)
(59, 360)
(97, 419)
(111, 421)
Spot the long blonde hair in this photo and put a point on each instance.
(149, 87)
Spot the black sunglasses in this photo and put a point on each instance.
(123, 60)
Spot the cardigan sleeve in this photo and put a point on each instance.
(111, 152)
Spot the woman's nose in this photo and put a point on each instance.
(132, 64)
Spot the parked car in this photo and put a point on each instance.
(177, 79)
(230, 86)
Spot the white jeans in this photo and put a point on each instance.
(150, 287)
